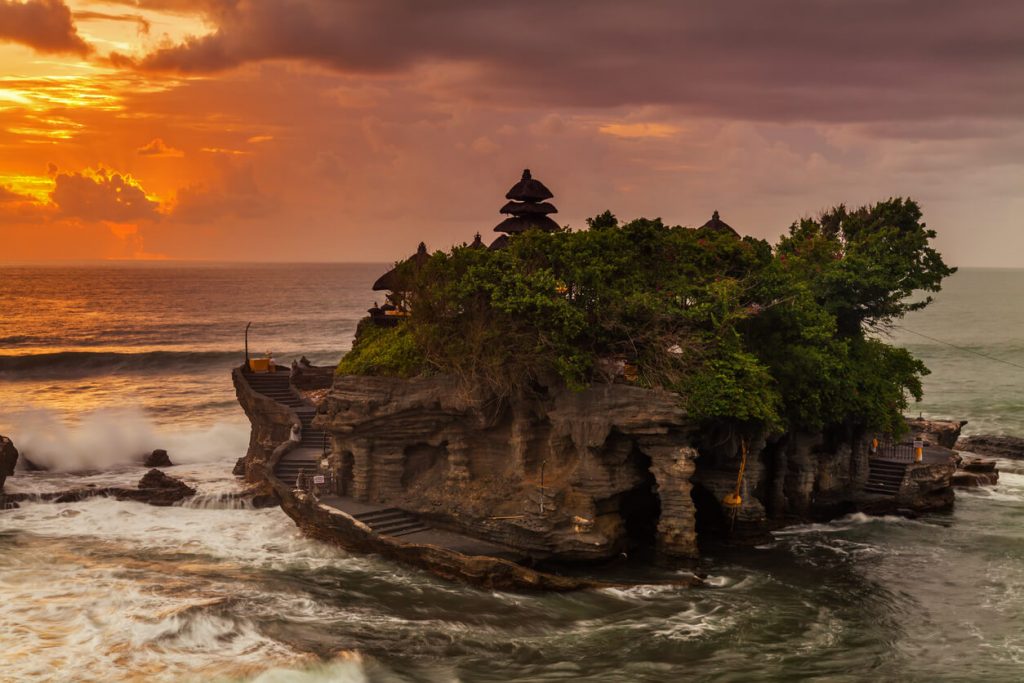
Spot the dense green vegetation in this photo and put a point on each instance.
(779, 336)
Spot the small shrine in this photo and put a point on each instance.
(716, 224)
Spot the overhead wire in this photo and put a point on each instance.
(960, 348)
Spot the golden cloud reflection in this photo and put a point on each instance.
(34, 186)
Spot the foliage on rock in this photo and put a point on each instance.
(777, 337)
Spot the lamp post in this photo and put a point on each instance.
(247, 345)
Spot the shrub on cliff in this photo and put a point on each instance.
(777, 337)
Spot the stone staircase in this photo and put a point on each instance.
(305, 456)
(885, 477)
(392, 522)
(275, 385)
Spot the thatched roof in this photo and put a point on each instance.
(477, 242)
(517, 224)
(525, 208)
(499, 243)
(718, 225)
(529, 190)
(392, 281)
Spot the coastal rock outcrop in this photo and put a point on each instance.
(974, 472)
(995, 445)
(569, 476)
(943, 433)
(8, 459)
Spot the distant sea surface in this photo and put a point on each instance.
(101, 363)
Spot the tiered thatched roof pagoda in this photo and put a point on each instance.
(526, 209)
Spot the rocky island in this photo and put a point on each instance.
(563, 399)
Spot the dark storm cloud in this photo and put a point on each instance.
(823, 60)
(102, 196)
(44, 25)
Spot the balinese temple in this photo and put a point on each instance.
(526, 209)
(718, 225)
(393, 283)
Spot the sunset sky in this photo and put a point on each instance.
(341, 130)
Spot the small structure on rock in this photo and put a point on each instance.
(396, 282)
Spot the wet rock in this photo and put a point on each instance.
(976, 472)
(239, 468)
(265, 501)
(8, 459)
(157, 458)
(1010, 447)
(936, 432)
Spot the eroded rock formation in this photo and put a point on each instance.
(8, 459)
(582, 476)
(588, 475)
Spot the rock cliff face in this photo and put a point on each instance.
(583, 476)
(8, 459)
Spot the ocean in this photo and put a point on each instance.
(100, 363)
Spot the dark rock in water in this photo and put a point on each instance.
(8, 459)
(978, 465)
(265, 501)
(155, 488)
(1010, 447)
(155, 479)
(936, 432)
(975, 472)
(157, 458)
(239, 469)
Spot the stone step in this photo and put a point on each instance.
(890, 468)
(394, 525)
(411, 530)
(886, 490)
(885, 476)
(379, 515)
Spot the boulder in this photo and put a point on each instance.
(976, 472)
(157, 458)
(8, 459)
(1010, 447)
(157, 488)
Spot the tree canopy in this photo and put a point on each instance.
(780, 337)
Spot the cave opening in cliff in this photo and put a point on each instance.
(709, 520)
(640, 507)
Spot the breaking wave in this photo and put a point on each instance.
(83, 363)
(110, 437)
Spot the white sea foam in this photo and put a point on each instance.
(109, 437)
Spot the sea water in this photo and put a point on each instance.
(101, 363)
